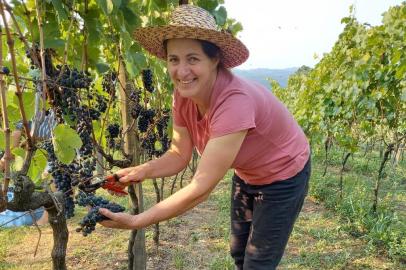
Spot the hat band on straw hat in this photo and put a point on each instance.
(192, 22)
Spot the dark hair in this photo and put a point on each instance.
(211, 50)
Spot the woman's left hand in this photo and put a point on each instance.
(118, 220)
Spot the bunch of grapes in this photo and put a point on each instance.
(88, 223)
(148, 144)
(159, 134)
(101, 103)
(62, 176)
(135, 96)
(162, 124)
(109, 82)
(146, 118)
(72, 78)
(147, 80)
(136, 111)
(5, 70)
(113, 132)
(49, 53)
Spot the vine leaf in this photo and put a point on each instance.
(209, 5)
(29, 103)
(220, 15)
(102, 67)
(65, 141)
(135, 61)
(107, 6)
(13, 113)
(60, 9)
(38, 164)
(403, 97)
(19, 154)
(110, 6)
(117, 3)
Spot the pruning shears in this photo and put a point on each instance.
(108, 182)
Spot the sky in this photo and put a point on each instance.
(289, 33)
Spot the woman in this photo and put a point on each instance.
(232, 123)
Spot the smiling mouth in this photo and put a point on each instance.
(187, 82)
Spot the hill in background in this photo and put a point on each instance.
(262, 74)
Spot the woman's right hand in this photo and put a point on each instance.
(133, 174)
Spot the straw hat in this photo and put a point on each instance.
(193, 22)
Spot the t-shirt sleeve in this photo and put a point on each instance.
(235, 113)
(177, 116)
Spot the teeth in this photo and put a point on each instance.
(186, 82)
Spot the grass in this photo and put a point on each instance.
(385, 229)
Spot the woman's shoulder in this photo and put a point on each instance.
(239, 85)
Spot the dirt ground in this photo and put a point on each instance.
(195, 241)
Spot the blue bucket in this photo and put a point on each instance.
(10, 217)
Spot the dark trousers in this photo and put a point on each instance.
(262, 218)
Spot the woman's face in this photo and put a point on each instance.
(191, 70)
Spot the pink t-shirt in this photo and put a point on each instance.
(275, 147)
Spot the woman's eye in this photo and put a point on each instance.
(193, 60)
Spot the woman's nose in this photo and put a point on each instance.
(183, 69)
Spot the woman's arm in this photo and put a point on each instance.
(217, 158)
(170, 163)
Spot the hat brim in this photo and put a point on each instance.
(233, 51)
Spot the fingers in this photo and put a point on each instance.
(132, 174)
(137, 175)
(126, 179)
(117, 220)
(124, 172)
(107, 213)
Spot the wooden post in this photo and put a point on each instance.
(136, 247)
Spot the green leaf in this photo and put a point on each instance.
(117, 3)
(220, 15)
(51, 29)
(93, 22)
(103, 6)
(161, 4)
(209, 5)
(401, 71)
(19, 154)
(98, 132)
(131, 19)
(60, 9)
(13, 113)
(403, 96)
(346, 20)
(102, 67)
(37, 166)
(110, 6)
(140, 60)
(65, 141)
(235, 28)
(54, 43)
(28, 103)
(135, 61)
